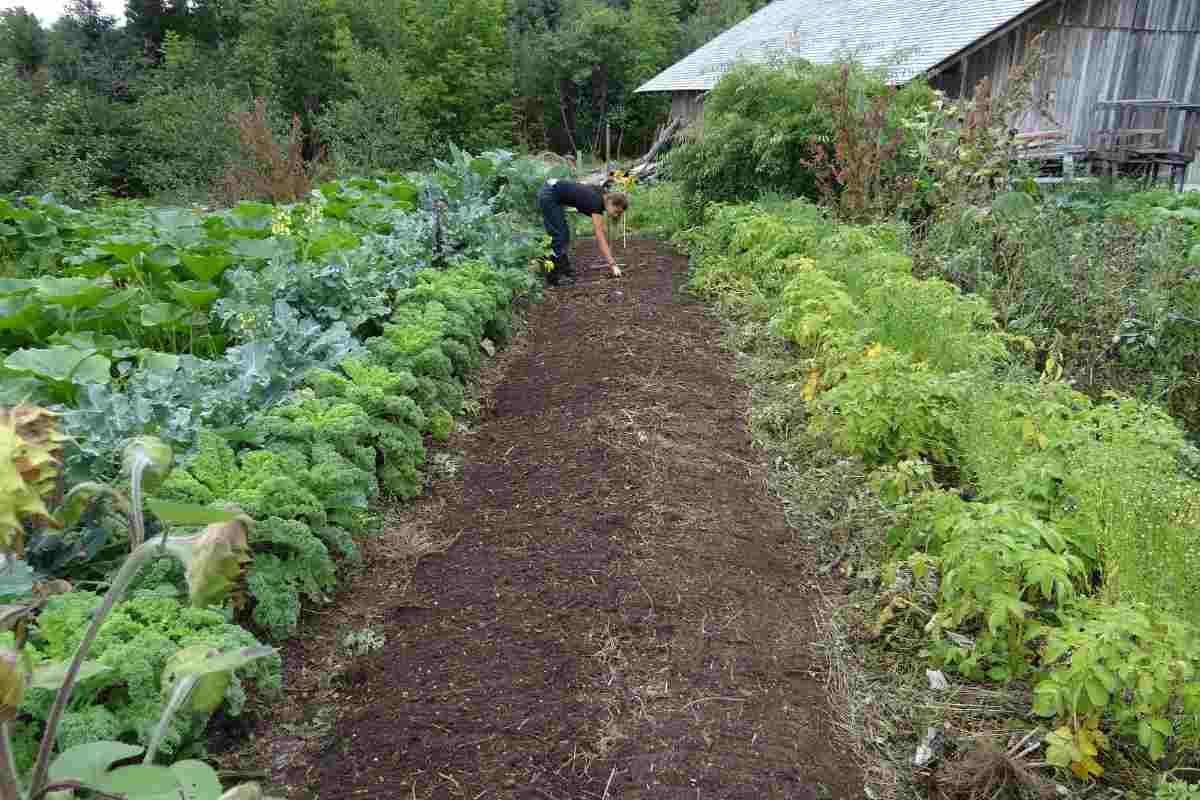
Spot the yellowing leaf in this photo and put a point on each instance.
(810, 386)
(874, 351)
(1086, 769)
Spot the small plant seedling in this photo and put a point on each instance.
(363, 642)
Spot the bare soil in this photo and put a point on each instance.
(606, 603)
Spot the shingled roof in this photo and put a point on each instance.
(923, 33)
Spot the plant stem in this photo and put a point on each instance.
(138, 523)
(9, 786)
(125, 576)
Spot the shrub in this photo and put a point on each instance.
(1070, 496)
(186, 135)
(889, 407)
(656, 210)
(764, 127)
(291, 559)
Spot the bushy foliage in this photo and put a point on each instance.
(134, 643)
(185, 128)
(276, 487)
(1081, 510)
(770, 129)
(1116, 302)
(395, 419)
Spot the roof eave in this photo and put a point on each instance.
(988, 38)
(646, 88)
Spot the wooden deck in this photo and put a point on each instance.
(1129, 139)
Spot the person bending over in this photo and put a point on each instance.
(592, 201)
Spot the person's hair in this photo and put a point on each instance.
(618, 199)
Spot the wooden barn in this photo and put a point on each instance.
(1124, 75)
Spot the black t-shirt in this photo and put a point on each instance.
(587, 200)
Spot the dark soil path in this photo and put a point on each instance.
(623, 611)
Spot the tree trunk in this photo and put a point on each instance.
(567, 100)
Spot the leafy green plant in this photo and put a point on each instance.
(395, 420)
(1177, 790)
(963, 150)
(765, 125)
(998, 564)
(124, 700)
(212, 558)
(1080, 507)
(275, 486)
(889, 407)
(1132, 664)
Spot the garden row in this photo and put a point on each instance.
(298, 361)
(1044, 537)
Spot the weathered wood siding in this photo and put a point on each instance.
(687, 105)
(1101, 50)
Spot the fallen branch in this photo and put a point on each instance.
(666, 136)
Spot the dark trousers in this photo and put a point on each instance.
(555, 220)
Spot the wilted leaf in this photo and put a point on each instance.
(214, 559)
(213, 670)
(155, 457)
(12, 684)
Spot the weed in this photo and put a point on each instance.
(265, 170)
(362, 642)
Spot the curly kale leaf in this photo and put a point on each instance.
(306, 418)
(261, 482)
(135, 642)
(290, 561)
(379, 391)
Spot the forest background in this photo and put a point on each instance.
(149, 105)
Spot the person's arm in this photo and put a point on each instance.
(598, 225)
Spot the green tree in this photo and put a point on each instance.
(183, 117)
(18, 131)
(710, 18)
(22, 40)
(421, 73)
(288, 51)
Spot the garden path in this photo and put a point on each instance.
(621, 610)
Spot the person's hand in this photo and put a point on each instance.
(614, 269)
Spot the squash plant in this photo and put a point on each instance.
(195, 679)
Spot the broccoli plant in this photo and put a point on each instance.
(197, 680)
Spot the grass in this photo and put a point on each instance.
(656, 210)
